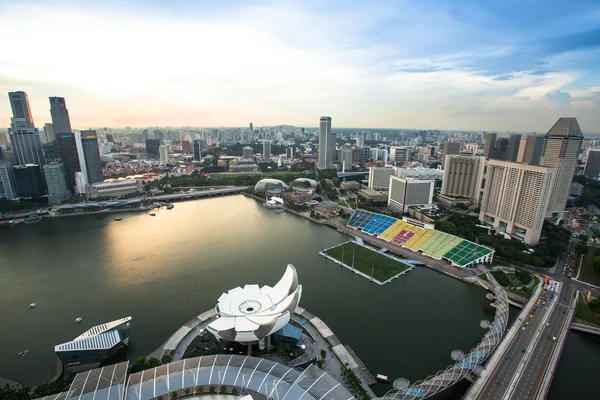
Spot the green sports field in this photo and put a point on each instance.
(384, 267)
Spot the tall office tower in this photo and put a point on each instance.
(289, 152)
(251, 127)
(61, 125)
(592, 165)
(197, 150)
(463, 175)
(110, 138)
(561, 150)
(267, 150)
(24, 138)
(431, 151)
(506, 149)
(29, 180)
(516, 197)
(91, 156)
(521, 153)
(450, 148)
(400, 155)
(19, 103)
(49, 133)
(324, 143)
(404, 193)
(164, 154)
(186, 147)
(8, 186)
(51, 151)
(152, 146)
(56, 182)
(247, 152)
(379, 177)
(534, 144)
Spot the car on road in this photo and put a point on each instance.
(554, 338)
(507, 357)
(547, 323)
(523, 328)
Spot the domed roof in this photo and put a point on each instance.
(304, 183)
(270, 185)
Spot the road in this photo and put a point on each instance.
(520, 375)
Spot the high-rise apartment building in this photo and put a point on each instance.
(463, 175)
(24, 137)
(48, 133)
(515, 198)
(592, 165)
(65, 139)
(379, 177)
(561, 150)
(164, 153)
(325, 158)
(404, 193)
(8, 186)
(506, 149)
(91, 156)
(56, 182)
(267, 149)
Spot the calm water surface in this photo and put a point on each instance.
(164, 270)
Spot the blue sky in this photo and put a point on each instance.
(473, 65)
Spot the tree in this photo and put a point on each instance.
(594, 305)
(323, 353)
(140, 364)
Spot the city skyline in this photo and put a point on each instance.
(430, 65)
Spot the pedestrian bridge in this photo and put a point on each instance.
(465, 365)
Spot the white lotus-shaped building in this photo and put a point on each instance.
(250, 314)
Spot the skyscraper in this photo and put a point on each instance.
(65, 139)
(8, 186)
(24, 138)
(592, 165)
(29, 180)
(267, 150)
(506, 149)
(56, 182)
(197, 150)
(561, 149)
(48, 133)
(463, 175)
(534, 145)
(91, 156)
(19, 103)
(324, 143)
(152, 146)
(164, 153)
(251, 127)
(515, 198)
(450, 148)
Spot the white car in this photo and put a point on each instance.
(548, 324)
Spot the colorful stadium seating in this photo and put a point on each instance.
(432, 243)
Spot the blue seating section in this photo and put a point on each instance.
(378, 224)
(360, 219)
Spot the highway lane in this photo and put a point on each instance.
(537, 366)
(501, 378)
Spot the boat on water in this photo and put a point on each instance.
(78, 320)
(152, 215)
(170, 206)
(4, 223)
(118, 219)
(279, 210)
(382, 378)
(22, 353)
(32, 219)
(32, 305)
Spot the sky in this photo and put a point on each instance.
(508, 65)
